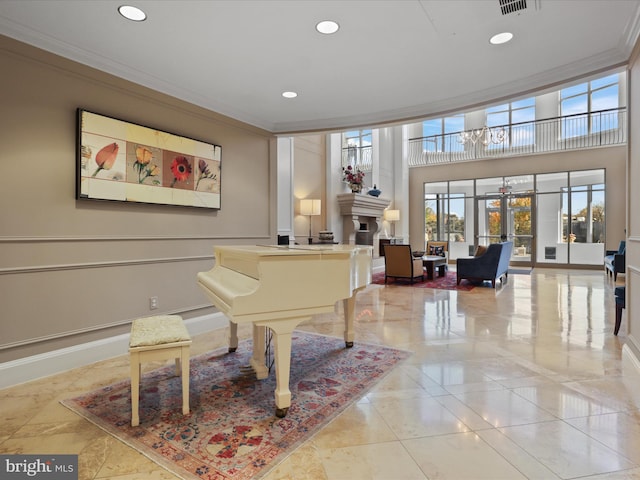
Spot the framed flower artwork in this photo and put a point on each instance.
(118, 160)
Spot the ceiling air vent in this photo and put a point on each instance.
(512, 6)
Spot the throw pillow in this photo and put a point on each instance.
(436, 250)
(480, 250)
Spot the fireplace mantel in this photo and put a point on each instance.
(358, 204)
(359, 210)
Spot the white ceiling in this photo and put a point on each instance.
(390, 60)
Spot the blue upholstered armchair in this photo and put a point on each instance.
(492, 265)
(614, 260)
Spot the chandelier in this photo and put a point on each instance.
(484, 135)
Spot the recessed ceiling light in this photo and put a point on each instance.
(132, 13)
(289, 94)
(327, 27)
(499, 38)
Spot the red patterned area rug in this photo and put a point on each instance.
(232, 432)
(448, 282)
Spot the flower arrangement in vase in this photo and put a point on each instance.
(354, 177)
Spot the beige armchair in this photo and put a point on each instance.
(400, 263)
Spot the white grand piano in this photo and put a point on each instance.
(279, 287)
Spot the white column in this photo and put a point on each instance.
(399, 141)
(285, 207)
(335, 185)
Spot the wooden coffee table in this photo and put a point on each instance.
(432, 262)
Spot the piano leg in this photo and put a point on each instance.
(258, 360)
(233, 337)
(283, 369)
(282, 330)
(349, 306)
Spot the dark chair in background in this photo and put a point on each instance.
(283, 239)
(619, 292)
(400, 263)
(614, 261)
(435, 247)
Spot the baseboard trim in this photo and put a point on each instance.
(630, 364)
(631, 373)
(42, 365)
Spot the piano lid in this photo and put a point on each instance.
(320, 249)
(253, 282)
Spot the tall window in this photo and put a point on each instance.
(583, 214)
(444, 216)
(585, 106)
(437, 132)
(557, 217)
(357, 148)
(518, 120)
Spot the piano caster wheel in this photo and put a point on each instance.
(348, 344)
(232, 349)
(281, 412)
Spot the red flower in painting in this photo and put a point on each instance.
(181, 169)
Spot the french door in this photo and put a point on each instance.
(507, 217)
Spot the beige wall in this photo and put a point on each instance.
(74, 271)
(612, 159)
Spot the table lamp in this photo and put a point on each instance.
(310, 207)
(392, 216)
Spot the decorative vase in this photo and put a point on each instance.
(355, 187)
(374, 192)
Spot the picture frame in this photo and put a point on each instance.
(122, 161)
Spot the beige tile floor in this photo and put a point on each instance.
(519, 382)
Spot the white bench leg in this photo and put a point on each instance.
(185, 380)
(146, 344)
(135, 388)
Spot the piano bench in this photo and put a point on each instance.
(161, 337)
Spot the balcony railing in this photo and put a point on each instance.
(571, 132)
(358, 157)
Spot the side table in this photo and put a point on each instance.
(432, 262)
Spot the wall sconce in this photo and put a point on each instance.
(310, 207)
(392, 216)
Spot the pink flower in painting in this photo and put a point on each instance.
(106, 157)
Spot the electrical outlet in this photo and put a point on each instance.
(153, 303)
